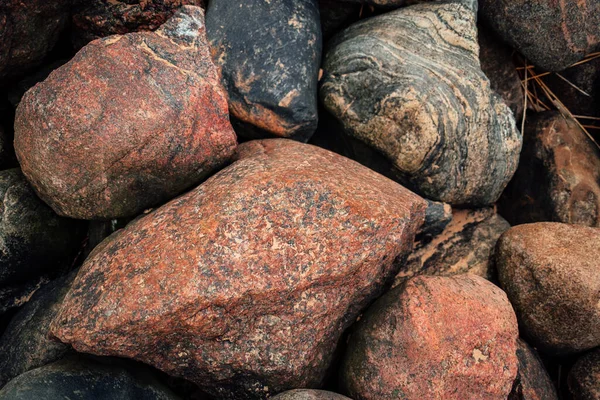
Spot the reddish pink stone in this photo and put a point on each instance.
(245, 284)
(130, 122)
(434, 338)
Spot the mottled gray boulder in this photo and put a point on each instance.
(558, 178)
(466, 245)
(24, 345)
(584, 378)
(551, 34)
(82, 379)
(270, 59)
(34, 241)
(409, 84)
(532, 381)
(309, 394)
(550, 274)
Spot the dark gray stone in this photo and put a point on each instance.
(408, 84)
(82, 379)
(584, 378)
(532, 382)
(25, 344)
(34, 241)
(270, 61)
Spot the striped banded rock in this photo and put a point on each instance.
(409, 84)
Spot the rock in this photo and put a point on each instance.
(552, 35)
(584, 378)
(245, 284)
(558, 178)
(7, 156)
(437, 218)
(335, 16)
(81, 379)
(130, 122)
(465, 246)
(550, 273)
(532, 382)
(29, 30)
(308, 394)
(100, 18)
(270, 62)
(434, 338)
(497, 64)
(25, 344)
(34, 241)
(408, 83)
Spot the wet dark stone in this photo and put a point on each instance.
(77, 378)
(532, 381)
(584, 378)
(270, 61)
(558, 178)
(28, 31)
(25, 344)
(551, 34)
(93, 19)
(35, 242)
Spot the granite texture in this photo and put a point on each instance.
(130, 122)
(584, 377)
(245, 284)
(550, 273)
(434, 338)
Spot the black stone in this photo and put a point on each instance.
(532, 381)
(270, 53)
(77, 378)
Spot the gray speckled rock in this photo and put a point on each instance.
(466, 245)
(34, 241)
(550, 273)
(409, 84)
(77, 378)
(532, 382)
(270, 59)
(558, 178)
(584, 378)
(552, 34)
(245, 284)
(24, 344)
(309, 394)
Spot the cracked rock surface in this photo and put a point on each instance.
(130, 122)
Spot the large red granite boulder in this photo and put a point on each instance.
(434, 338)
(130, 122)
(245, 284)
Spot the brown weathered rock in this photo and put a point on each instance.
(558, 178)
(409, 85)
(309, 394)
(93, 19)
(434, 338)
(532, 382)
(550, 273)
(245, 284)
(497, 64)
(130, 122)
(584, 378)
(465, 246)
(551, 34)
(28, 31)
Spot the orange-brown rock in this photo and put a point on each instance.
(434, 338)
(550, 273)
(130, 122)
(558, 178)
(245, 284)
(93, 19)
